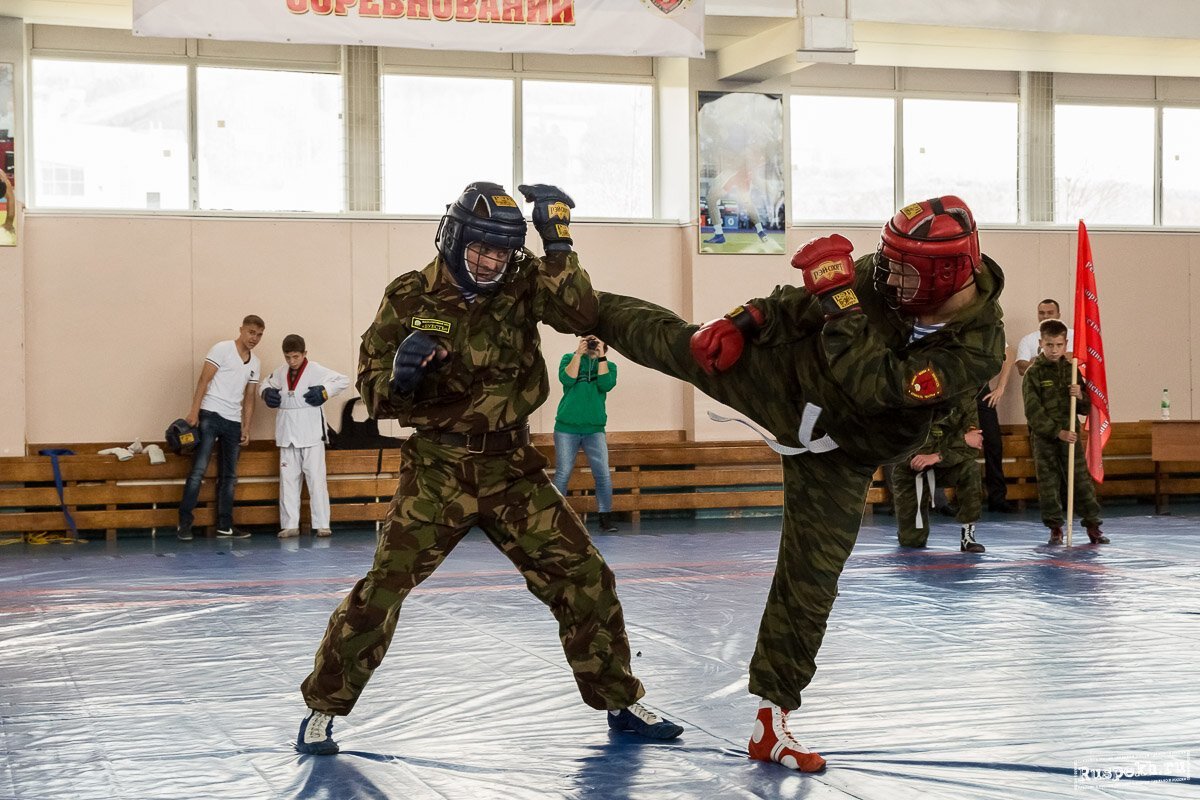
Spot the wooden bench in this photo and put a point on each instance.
(652, 472)
(107, 495)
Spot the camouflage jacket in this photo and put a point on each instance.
(947, 432)
(880, 393)
(495, 376)
(1046, 389)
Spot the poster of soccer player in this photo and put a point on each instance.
(8, 203)
(741, 172)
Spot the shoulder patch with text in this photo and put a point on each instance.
(436, 325)
(925, 385)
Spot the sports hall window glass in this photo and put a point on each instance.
(1104, 165)
(966, 148)
(593, 140)
(109, 135)
(269, 140)
(440, 134)
(843, 158)
(1181, 167)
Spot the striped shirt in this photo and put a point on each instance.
(920, 331)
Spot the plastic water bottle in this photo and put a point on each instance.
(1166, 405)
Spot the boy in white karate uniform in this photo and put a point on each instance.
(298, 389)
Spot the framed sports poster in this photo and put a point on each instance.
(741, 172)
(8, 164)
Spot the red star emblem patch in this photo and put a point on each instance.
(925, 385)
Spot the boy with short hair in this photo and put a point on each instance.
(298, 388)
(1048, 390)
(222, 406)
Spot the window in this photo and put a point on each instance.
(966, 148)
(270, 140)
(441, 134)
(593, 140)
(843, 158)
(1181, 166)
(1104, 165)
(109, 135)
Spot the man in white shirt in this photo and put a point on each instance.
(1027, 349)
(298, 388)
(222, 407)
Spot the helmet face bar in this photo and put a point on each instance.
(478, 236)
(927, 252)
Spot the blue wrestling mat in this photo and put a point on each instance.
(160, 669)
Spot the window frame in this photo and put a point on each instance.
(898, 96)
(191, 63)
(518, 77)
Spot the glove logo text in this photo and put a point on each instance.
(828, 270)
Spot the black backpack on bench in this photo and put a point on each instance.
(359, 435)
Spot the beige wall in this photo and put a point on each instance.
(119, 311)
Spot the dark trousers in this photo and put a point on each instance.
(226, 435)
(993, 451)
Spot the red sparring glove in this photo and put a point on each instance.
(718, 344)
(829, 273)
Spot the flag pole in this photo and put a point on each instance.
(1072, 421)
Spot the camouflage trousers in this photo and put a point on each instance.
(1050, 466)
(964, 477)
(442, 493)
(824, 495)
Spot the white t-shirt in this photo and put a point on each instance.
(228, 386)
(1027, 349)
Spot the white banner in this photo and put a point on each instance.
(603, 27)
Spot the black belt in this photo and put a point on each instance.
(489, 442)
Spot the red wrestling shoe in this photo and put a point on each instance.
(772, 741)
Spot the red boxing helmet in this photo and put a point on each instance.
(927, 252)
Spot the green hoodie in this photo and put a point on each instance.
(581, 410)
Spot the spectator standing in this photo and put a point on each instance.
(222, 407)
(587, 377)
(299, 389)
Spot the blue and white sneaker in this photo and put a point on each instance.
(316, 735)
(718, 239)
(638, 719)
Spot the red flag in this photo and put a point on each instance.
(1089, 349)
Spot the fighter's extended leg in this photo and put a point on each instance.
(657, 338)
(824, 497)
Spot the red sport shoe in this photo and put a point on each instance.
(772, 741)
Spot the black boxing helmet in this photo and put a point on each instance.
(484, 213)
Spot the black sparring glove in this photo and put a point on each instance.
(551, 215)
(316, 395)
(410, 365)
(272, 397)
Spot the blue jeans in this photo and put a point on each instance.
(214, 429)
(595, 447)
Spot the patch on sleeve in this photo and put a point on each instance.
(435, 325)
(925, 385)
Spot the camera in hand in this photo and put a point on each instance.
(592, 343)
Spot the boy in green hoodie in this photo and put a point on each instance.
(587, 377)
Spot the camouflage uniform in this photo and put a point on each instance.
(1046, 389)
(878, 397)
(494, 379)
(958, 469)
